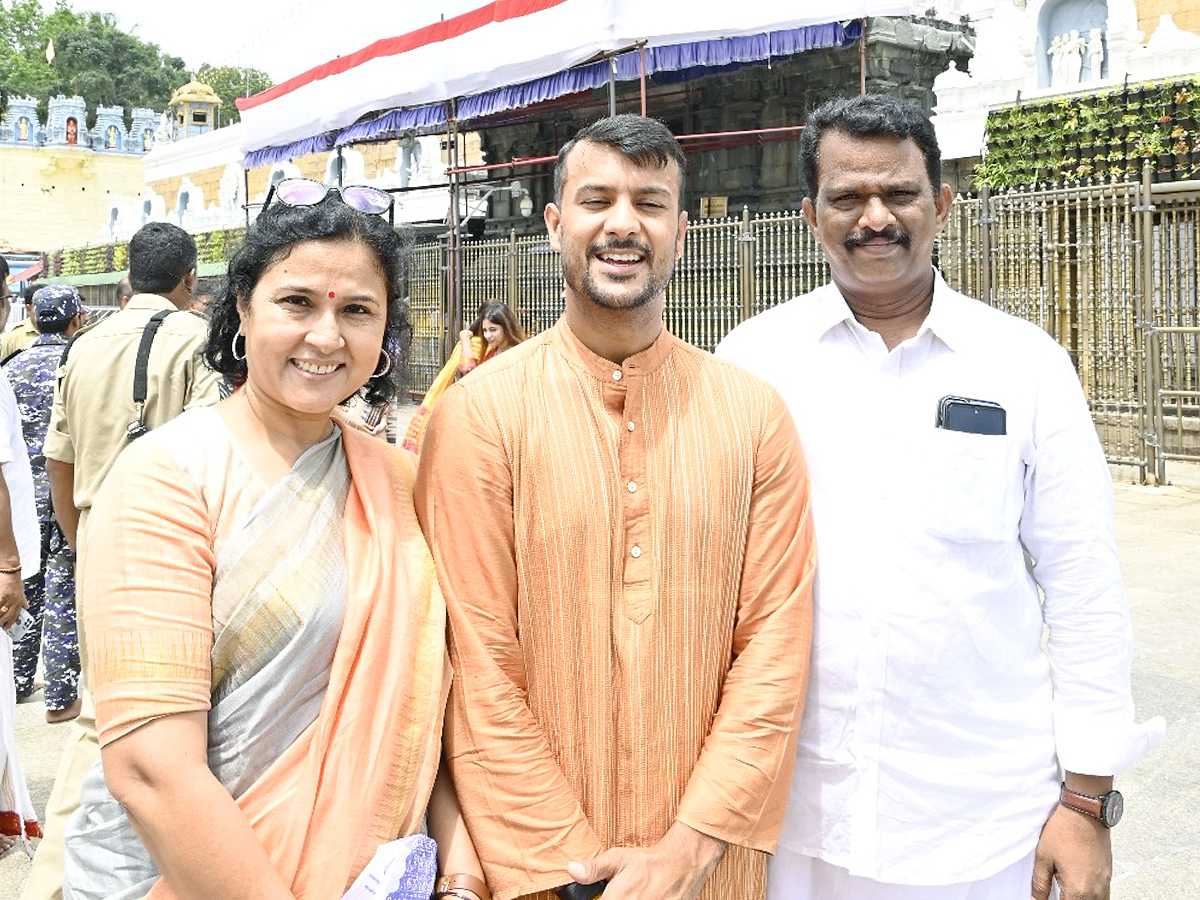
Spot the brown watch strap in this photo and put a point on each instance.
(1081, 803)
(472, 883)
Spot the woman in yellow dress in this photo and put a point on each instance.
(494, 330)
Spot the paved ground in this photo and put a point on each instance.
(1157, 846)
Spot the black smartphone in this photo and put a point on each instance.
(576, 891)
(971, 416)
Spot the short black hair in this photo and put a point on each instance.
(871, 115)
(643, 141)
(277, 231)
(160, 255)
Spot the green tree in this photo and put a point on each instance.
(24, 71)
(231, 82)
(108, 67)
(96, 60)
(93, 59)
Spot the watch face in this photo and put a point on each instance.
(1111, 808)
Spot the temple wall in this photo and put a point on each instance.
(51, 197)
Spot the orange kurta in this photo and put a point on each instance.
(627, 560)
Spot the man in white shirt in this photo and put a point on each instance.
(20, 536)
(20, 558)
(962, 504)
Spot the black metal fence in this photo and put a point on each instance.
(1108, 268)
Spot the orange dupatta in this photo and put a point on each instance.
(361, 774)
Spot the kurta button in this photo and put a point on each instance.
(632, 486)
(632, 426)
(617, 376)
(635, 551)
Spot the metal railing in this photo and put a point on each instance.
(1174, 319)
(1108, 269)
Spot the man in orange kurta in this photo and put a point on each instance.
(621, 528)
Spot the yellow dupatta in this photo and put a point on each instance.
(445, 378)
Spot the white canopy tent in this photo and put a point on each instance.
(509, 44)
(510, 54)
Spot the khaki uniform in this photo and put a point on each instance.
(93, 407)
(93, 404)
(17, 338)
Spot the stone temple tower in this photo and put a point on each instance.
(66, 123)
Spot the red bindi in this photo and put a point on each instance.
(332, 295)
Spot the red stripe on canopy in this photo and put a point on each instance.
(499, 11)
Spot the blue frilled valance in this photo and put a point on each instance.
(673, 63)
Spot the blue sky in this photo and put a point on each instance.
(281, 37)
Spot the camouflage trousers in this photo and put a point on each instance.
(51, 596)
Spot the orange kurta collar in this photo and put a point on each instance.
(565, 341)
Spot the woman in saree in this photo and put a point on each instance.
(494, 330)
(265, 634)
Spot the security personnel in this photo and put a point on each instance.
(93, 419)
(58, 313)
(22, 335)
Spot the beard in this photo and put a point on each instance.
(585, 284)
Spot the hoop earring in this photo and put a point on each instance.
(233, 346)
(387, 366)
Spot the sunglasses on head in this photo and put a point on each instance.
(307, 192)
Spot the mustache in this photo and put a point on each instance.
(618, 244)
(890, 233)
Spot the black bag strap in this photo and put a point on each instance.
(141, 368)
(142, 365)
(62, 361)
(19, 351)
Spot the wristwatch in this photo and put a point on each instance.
(1107, 807)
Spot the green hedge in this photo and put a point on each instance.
(212, 247)
(1106, 135)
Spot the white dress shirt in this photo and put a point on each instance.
(937, 718)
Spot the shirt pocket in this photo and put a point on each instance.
(967, 486)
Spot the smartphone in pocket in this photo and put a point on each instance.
(971, 416)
